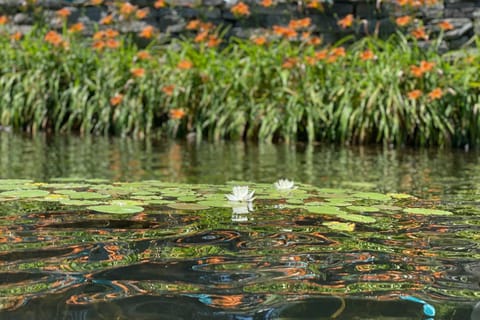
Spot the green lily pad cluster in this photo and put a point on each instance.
(97, 195)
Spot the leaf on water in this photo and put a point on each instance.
(216, 203)
(14, 181)
(400, 195)
(187, 206)
(372, 196)
(323, 209)
(426, 211)
(116, 209)
(340, 226)
(24, 194)
(69, 202)
(87, 195)
(363, 209)
(356, 218)
(123, 202)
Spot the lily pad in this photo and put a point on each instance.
(363, 209)
(356, 218)
(116, 209)
(340, 226)
(216, 203)
(25, 193)
(187, 206)
(372, 196)
(426, 211)
(87, 195)
(324, 209)
(70, 202)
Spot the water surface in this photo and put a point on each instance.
(271, 264)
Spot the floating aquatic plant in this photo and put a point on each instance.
(284, 184)
(241, 194)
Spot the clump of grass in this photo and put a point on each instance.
(371, 91)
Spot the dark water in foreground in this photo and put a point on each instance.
(168, 264)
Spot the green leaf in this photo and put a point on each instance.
(426, 211)
(116, 209)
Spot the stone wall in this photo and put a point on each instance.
(371, 16)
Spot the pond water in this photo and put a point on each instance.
(282, 260)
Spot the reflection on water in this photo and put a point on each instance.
(249, 264)
(425, 173)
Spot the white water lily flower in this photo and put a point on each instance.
(241, 194)
(284, 184)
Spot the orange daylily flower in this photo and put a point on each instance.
(289, 63)
(193, 24)
(403, 21)
(137, 72)
(3, 20)
(116, 99)
(416, 71)
(142, 13)
(159, 4)
(16, 36)
(185, 65)
(419, 33)
(112, 43)
(126, 9)
(107, 19)
(284, 32)
(53, 38)
(143, 55)
(63, 13)
(266, 3)
(98, 45)
(77, 27)
(338, 52)
(315, 4)
(177, 114)
(310, 60)
(111, 33)
(300, 23)
(426, 66)
(213, 41)
(367, 55)
(99, 35)
(168, 90)
(414, 94)
(96, 2)
(147, 32)
(240, 9)
(445, 25)
(201, 36)
(346, 21)
(315, 41)
(435, 94)
(259, 41)
(321, 55)
(402, 2)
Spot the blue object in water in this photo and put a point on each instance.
(428, 309)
